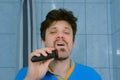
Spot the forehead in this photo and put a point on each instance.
(60, 25)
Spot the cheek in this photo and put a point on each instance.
(71, 43)
(70, 40)
(49, 42)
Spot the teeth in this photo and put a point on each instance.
(60, 44)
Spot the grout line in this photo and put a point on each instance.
(108, 41)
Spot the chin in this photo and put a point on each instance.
(61, 58)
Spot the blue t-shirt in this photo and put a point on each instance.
(76, 72)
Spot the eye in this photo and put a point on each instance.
(67, 32)
(52, 32)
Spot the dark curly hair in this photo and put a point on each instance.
(58, 15)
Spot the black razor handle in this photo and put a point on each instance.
(42, 58)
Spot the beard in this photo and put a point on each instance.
(61, 58)
(62, 51)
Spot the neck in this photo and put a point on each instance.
(60, 67)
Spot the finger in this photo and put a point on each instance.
(43, 53)
(35, 53)
(44, 50)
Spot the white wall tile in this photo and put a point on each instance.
(38, 17)
(8, 51)
(9, 17)
(67, 1)
(96, 19)
(52, 1)
(109, 18)
(97, 51)
(79, 51)
(10, 0)
(98, 1)
(115, 7)
(7, 73)
(115, 74)
(115, 46)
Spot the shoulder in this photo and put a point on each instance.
(87, 72)
(83, 68)
(21, 74)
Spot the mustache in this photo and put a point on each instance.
(54, 43)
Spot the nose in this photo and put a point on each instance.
(60, 35)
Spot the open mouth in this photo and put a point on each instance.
(60, 44)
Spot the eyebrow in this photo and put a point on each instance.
(52, 28)
(67, 28)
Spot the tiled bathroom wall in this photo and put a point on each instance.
(9, 24)
(97, 41)
(115, 56)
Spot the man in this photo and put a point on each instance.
(58, 33)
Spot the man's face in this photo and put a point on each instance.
(60, 36)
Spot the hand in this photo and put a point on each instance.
(37, 70)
